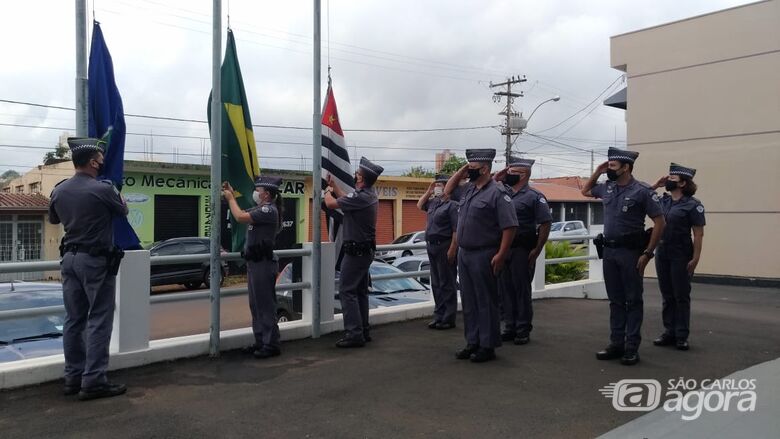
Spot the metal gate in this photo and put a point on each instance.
(21, 240)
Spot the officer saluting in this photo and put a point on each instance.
(626, 202)
(534, 219)
(486, 228)
(265, 222)
(86, 207)
(442, 249)
(359, 229)
(678, 255)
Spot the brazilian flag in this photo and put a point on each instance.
(239, 154)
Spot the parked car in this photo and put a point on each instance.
(414, 263)
(190, 275)
(409, 238)
(285, 303)
(569, 229)
(30, 337)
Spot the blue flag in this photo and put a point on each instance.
(107, 119)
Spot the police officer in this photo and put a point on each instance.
(486, 228)
(678, 255)
(442, 223)
(534, 219)
(359, 229)
(86, 208)
(628, 250)
(264, 223)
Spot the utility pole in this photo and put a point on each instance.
(82, 119)
(508, 113)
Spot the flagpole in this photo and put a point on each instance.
(216, 177)
(316, 178)
(82, 120)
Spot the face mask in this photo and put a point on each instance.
(437, 191)
(671, 185)
(511, 180)
(612, 174)
(256, 197)
(474, 174)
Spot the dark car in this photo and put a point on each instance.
(30, 337)
(191, 275)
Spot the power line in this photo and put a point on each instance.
(583, 108)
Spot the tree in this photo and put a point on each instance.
(419, 171)
(60, 152)
(8, 176)
(452, 165)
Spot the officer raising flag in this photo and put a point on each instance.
(626, 248)
(86, 208)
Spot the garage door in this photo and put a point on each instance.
(414, 219)
(176, 216)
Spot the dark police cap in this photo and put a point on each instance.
(371, 168)
(268, 182)
(676, 169)
(622, 155)
(441, 178)
(480, 155)
(78, 144)
(517, 162)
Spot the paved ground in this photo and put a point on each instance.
(407, 383)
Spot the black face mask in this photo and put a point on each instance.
(671, 185)
(101, 168)
(474, 174)
(511, 180)
(612, 174)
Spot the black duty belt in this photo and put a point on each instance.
(482, 247)
(633, 241)
(113, 255)
(438, 240)
(359, 248)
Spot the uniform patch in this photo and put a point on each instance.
(625, 208)
(655, 197)
(700, 208)
(507, 198)
(351, 195)
(265, 209)
(543, 200)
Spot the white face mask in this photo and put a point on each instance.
(437, 191)
(256, 197)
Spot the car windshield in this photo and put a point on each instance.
(403, 238)
(31, 328)
(388, 286)
(556, 227)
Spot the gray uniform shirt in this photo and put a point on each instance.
(625, 207)
(86, 208)
(360, 208)
(264, 225)
(681, 216)
(531, 209)
(483, 215)
(442, 218)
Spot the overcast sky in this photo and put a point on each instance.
(401, 64)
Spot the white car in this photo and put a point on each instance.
(409, 238)
(569, 229)
(414, 263)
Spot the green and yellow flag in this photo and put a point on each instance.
(239, 154)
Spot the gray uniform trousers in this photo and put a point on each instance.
(261, 279)
(353, 294)
(479, 297)
(674, 281)
(89, 293)
(624, 290)
(443, 282)
(515, 289)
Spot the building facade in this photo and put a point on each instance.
(705, 92)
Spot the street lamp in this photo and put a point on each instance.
(520, 123)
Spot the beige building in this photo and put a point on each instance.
(705, 92)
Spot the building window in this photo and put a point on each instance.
(35, 188)
(596, 213)
(555, 211)
(7, 190)
(576, 212)
(20, 189)
(21, 239)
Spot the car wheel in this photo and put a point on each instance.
(207, 279)
(406, 253)
(283, 316)
(192, 285)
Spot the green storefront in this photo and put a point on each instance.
(173, 200)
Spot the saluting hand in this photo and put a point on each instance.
(602, 168)
(661, 182)
(499, 176)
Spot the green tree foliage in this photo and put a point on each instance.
(566, 272)
(452, 165)
(419, 171)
